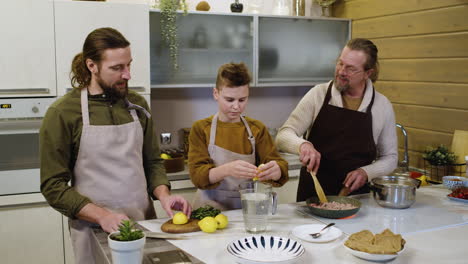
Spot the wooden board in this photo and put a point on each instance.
(460, 145)
(447, 70)
(446, 95)
(359, 9)
(191, 226)
(446, 45)
(419, 139)
(432, 21)
(431, 118)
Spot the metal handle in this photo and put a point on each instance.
(27, 90)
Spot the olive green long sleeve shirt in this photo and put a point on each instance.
(59, 143)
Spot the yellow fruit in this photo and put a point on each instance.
(208, 224)
(222, 221)
(179, 219)
(258, 171)
(165, 156)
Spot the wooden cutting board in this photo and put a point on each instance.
(190, 226)
(460, 145)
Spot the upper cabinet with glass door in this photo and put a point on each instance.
(74, 20)
(280, 51)
(206, 41)
(299, 51)
(27, 58)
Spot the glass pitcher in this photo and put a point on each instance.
(258, 203)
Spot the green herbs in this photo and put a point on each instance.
(128, 231)
(439, 156)
(205, 211)
(169, 26)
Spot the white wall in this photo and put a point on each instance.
(177, 108)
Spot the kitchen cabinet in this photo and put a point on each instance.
(279, 51)
(295, 51)
(206, 41)
(287, 193)
(27, 60)
(74, 20)
(31, 233)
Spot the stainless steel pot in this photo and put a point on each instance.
(394, 191)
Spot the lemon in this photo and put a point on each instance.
(179, 219)
(222, 221)
(165, 156)
(258, 171)
(208, 224)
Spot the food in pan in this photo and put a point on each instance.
(333, 206)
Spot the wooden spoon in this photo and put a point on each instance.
(344, 191)
(318, 188)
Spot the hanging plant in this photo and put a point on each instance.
(169, 26)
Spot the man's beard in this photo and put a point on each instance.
(341, 88)
(112, 92)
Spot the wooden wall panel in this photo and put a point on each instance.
(431, 118)
(423, 51)
(451, 70)
(445, 95)
(447, 45)
(424, 22)
(359, 9)
(419, 139)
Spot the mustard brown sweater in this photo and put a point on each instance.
(233, 137)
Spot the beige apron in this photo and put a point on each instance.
(109, 171)
(226, 196)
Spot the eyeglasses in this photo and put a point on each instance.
(348, 70)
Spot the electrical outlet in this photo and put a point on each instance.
(166, 138)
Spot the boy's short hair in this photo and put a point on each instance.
(233, 75)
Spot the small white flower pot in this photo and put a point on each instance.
(126, 252)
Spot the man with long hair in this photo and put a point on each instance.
(100, 136)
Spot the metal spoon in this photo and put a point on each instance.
(318, 234)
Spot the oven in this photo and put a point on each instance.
(20, 121)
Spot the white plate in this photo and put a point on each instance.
(373, 257)
(303, 232)
(265, 249)
(457, 199)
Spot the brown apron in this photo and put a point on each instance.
(226, 196)
(109, 171)
(345, 141)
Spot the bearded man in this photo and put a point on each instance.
(343, 130)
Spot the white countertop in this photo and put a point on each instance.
(440, 242)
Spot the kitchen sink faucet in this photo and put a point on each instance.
(405, 162)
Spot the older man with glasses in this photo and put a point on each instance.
(343, 130)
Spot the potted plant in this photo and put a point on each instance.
(439, 156)
(440, 161)
(169, 26)
(127, 244)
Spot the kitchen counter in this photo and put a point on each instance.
(445, 242)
